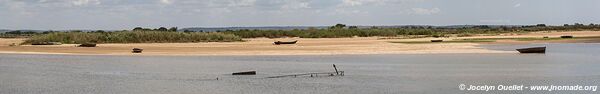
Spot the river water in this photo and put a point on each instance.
(564, 64)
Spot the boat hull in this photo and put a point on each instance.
(566, 36)
(137, 50)
(437, 40)
(245, 73)
(87, 45)
(280, 42)
(533, 50)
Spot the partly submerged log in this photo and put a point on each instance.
(137, 50)
(46, 43)
(245, 73)
(437, 40)
(281, 42)
(566, 36)
(87, 45)
(533, 50)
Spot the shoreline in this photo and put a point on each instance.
(305, 46)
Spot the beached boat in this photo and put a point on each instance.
(87, 45)
(245, 73)
(46, 43)
(437, 40)
(281, 42)
(137, 50)
(566, 36)
(533, 50)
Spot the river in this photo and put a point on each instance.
(564, 64)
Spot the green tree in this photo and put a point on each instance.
(173, 29)
(162, 29)
(138, 29)
(338, 26)
(541, 25)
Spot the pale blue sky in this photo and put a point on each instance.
(126, 14)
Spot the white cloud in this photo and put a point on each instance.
(517, 5)
(81, 2)
(239, 3)
(166, 1)
(424, 11)
(200, 12)
(352, 2)
(296, 5)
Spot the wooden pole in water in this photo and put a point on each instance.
(336, 71)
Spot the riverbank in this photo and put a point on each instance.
(305, 46)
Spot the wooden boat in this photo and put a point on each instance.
(137, 50)
(87, 45)
(245, 73)
(46, 43)
(566, 36)
(533, 50)
(281, 42)
(437, 40)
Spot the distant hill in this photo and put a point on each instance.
(4, 30)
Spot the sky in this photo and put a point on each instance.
(127, 14)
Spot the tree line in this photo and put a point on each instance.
(342, 30)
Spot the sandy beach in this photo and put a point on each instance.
(305, 46)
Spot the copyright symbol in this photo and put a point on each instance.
(462, 86)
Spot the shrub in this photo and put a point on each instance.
(132, 37)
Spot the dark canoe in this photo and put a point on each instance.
(281, 42)
(87, 45)
(245, 73)
(437, 40)
(533, 50)
(566, 36)
(137, 50)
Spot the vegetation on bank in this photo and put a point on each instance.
(161, 35)
(340, 30)
(21, 34)
(132, 37)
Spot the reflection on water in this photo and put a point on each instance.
(564, 64)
